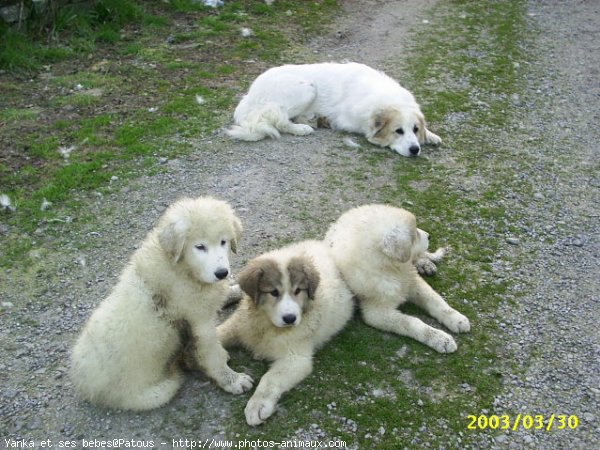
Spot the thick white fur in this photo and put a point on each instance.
(289, 348)
(351, 97)
(375, 247)
(126, 355)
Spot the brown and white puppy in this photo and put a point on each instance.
(295, 301)
(375, 247)
(350, 97)
(167, 296)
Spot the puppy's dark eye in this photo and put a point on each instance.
(275, 293)
(416, 129)
(297, 291)
(400, 131)
(201, 247)
(223, 243)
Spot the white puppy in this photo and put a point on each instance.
(295, 300)
(166, 299)
(350, 97)
(375, 247)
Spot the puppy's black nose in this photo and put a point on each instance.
(289, 319)
(221, 273)
(414, 150)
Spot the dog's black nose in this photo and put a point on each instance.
(289, 319)
(221, 273)
(414, 150)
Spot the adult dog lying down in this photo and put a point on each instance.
(375, 248)
(127, 354)
(295, 300)
(350, 97)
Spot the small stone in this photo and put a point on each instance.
(589, 417)
(513, 241)
(501, 439)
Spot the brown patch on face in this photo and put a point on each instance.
(421, 124)
(384, 126)
(259, 276)
(304, 275)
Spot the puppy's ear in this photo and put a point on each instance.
(379, 122)
(172, 238)
(421, 134)
(304, 274)
(259, 275)
(237, 233)
(397, 243)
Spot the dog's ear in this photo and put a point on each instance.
(379, 121)
(304, 274)
(172, 238)
(237, 233)
(259, 275)
(397, 243)
(421, 134)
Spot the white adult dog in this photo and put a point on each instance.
(166, 299)
(375, 248)
(350, 97)
(295, 301)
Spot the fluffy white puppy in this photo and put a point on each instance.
(375, 248)
(295, 301)
(166, 299)
(350, 97)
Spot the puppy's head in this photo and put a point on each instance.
(401, 129)
(282, 291)
(200, 234)
(404, 241)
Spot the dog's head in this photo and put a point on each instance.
(401, 129)
(282, 291)
(404, 241)
(200, 234)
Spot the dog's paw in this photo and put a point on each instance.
(300, 129)
(237, 383)
(441, 342)
(425, 266)
(457, 322)
(258, 410)
(432, 138)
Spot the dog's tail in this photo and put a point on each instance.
(259, 124)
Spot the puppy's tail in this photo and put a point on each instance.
(259, 124)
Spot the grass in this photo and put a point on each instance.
(116, 126)
(369, 388)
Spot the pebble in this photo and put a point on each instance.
(513, 241)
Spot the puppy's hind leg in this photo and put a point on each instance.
(297, 98)
(153, 396)
(392, 320)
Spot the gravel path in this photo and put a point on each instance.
(552, 332)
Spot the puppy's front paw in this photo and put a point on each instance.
(442, 342)
(432, 138)
(457, 322)
(258, 410)
(236, 383)
(425, 266)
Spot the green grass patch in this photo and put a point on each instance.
(90, 98)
